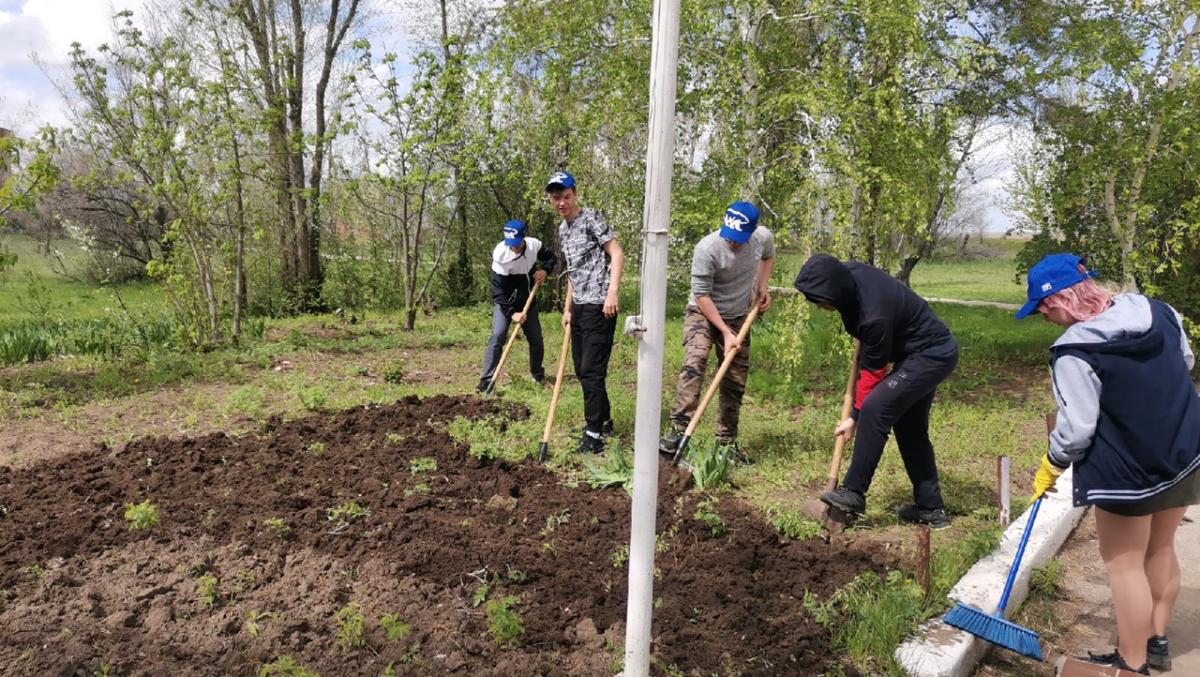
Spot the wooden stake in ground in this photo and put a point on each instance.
(558, 380)
(716, 382)
(923, 577)
(832, 518)
(511, 339)
(1004, 487)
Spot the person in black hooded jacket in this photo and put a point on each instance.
(897, 328)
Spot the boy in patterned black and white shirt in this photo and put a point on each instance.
(594, 264)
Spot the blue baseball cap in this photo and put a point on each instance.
(1049, 276)
(560, 180)
(740, 221)
(514, 233)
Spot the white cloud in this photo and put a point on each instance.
(37, 33)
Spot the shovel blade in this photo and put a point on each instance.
(833, 519)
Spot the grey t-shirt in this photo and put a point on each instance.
(727, 276)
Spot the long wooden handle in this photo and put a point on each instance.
(712, 387)
(558, 379)
(839, 446)
(513, 336)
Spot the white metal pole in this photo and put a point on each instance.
(656, 218)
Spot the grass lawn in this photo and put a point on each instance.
(992, 405)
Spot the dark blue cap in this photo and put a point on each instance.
(560, 180)
(514, 233)
(740, 221)
(1049, 276)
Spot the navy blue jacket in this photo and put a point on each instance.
(1147, 435)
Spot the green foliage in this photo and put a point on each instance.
(278, 526)
(422, 465)
(285, 666)
(504, 623)
(615, 471)
(480, 594)
(351, 624)
(710, 466)
(208, 590)
(393, 627)
(488, 439)
(1047, 579)
(315, 449)
(794, 524)
(347, 512)
(247, 400)
(313, 398)
(707, 513)
(142, 515)
(394, 372)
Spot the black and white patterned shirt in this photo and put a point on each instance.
(583, 243)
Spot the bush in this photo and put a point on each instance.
(504, 623)
(141, 515)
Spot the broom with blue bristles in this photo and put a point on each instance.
(993, 627)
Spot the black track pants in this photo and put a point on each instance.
(901, 402)
(591, 346)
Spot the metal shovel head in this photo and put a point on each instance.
(833, 519)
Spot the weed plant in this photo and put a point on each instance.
(707, 513)
(394, 372)
(710, 466)
(616, 470)
(393, 627)
(422, 465)
(348, 512)
(142, 515)
(208, 590)
(285, 666)
(351, 626)
(504, 623)
(278, 526)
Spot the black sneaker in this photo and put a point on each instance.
(670, 442)
(1115, 660)
(607, 428)
(483, 384)
(590, 445)
(1158, 655)
(846, 500)
(913, 514)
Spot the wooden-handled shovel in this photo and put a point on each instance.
(511, 339)
(558, 380)
(712, 387)
(816, 508)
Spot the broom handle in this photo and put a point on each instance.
(712, 387)
(839, 445)
(562, 367)
(513, 337)
(1016, 565)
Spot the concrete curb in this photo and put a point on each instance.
(939, 650)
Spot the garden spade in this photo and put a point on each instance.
(712, 387)
(834, 519)
(558, 380)
(511, 339)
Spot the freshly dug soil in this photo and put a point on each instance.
(246, 564)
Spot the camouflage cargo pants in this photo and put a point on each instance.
(699, 336)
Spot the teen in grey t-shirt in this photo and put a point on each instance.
(730, 271)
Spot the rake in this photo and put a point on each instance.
(994, 627)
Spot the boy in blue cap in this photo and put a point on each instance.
(594, 264)
(517, 263)
(730, 270)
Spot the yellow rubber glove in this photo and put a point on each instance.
(1045, 478)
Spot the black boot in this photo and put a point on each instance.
(1158, 654)
(846, 500)
(1115, 660)
(670, 442)
(590, 445)
(914, 514)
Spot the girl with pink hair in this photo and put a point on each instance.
(1128, 424)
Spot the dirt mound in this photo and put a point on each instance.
(317, 537)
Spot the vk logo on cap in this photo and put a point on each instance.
(560, 180)
(741, 218)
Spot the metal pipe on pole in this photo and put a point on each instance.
(649, 327)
